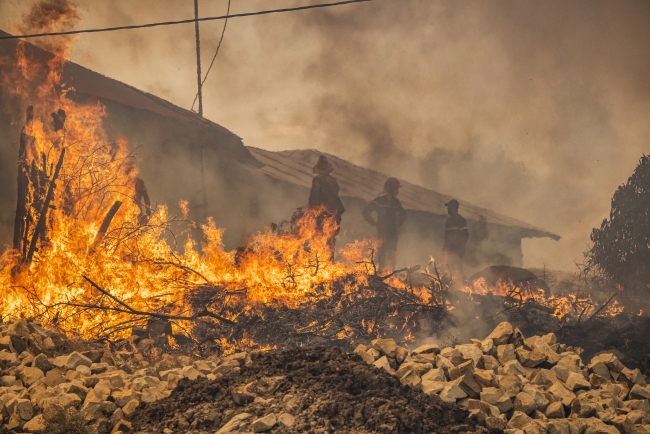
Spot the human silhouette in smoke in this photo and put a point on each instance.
(456, 236)
(141, 198)
(390, 218)
(325, 193)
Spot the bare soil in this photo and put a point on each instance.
(326, 389)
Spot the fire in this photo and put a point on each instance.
(563, 306)
(136, 261)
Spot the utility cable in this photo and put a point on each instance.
(171, 23)
(223, 32)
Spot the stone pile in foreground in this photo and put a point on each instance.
(105, 386)
(522, 385)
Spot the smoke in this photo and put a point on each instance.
(537, 109)
(48, 15)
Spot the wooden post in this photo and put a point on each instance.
(104, 227)
(42, 218)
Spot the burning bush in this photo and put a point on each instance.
(621, 246)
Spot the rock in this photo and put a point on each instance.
(584, 408)
(451, 393)
(7, 380)
(427, 349)
(8, 359)
(577, 381)
(383, 363)
(489, 363)
(623, 424)
(555, 410)
(419, 368)
(636, 416)
(264, 423)
(233, 424)
(501, 334)
(632, 377)
(437, 374)
(543, 347)
(41, 362)
(130, 407)
(640, 392)
(460, 370)
(24, 409)
(510, 384)
(444, 363)
(597, 426)
(495, 423)
(486, 378)
(5, 344)
(121, 426)
(544, 378)
(600, 369)
(387, 347)
(71, 361)
(374, 353)
(151, 394)
(561, 392)
(64, 400)
(242, 395)
(122, 396)
(431, 387)
(411, 379)
(550, 339)
(496, 397)
(637, 404)
(36, 424)
(286, 420)
(525, 403)
(191, 373)
(518, 420)
(227, 368)
(488, 409)
(514, 367)
(610, 360)
(541, 401)
(469, 385)
(364, 354)
(530, 359)
(556, 426)
(506, 353)
(139, 384)
(31, 376)
(470, 351)
(400, 354)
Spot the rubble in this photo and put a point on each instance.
(534, 385)
(506, 382)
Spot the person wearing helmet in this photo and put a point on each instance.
(390, 218)
(456, 236)
(325, 194)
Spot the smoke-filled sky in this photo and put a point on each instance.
(535, 109)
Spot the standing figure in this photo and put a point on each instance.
(456, 235)
(325, 193)
(141, 198)
(390, 218)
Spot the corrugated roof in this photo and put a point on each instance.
(295, 166)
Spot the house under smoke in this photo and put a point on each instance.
(245, 189)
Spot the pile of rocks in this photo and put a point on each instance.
(105, 386)
(532, 385)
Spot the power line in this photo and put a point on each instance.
(223, 32)
(171, 23)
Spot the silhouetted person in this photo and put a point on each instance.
(325, 193)
(390, 217)
(141, 198)
(456, 235)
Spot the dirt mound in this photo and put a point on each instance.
(324, 389)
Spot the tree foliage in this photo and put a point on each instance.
(621, 246)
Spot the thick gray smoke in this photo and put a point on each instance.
(535, 109)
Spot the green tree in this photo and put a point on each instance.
(621, 246)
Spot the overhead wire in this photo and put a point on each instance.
(223, 32)
(172, 23)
